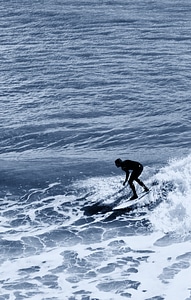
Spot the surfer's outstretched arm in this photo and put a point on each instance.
(126, 178)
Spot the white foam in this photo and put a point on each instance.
(174, 212)
(162, 261)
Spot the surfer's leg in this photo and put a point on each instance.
(142, 184)
(131, 184)
(135, 176)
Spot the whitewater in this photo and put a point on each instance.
(83, 83)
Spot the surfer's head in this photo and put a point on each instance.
(118, 162)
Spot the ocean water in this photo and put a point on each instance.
(84, 82)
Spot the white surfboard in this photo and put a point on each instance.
(129, 202)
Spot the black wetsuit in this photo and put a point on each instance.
(136, 168)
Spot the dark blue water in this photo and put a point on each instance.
(83, 83)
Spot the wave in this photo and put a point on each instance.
(59, 244)
(173, 214)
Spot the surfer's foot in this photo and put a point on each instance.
(146, 189)
(133, 197)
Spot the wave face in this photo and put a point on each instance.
(83, 83)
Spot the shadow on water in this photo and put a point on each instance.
(107, 210)
(101, 207)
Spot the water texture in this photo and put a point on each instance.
(81, 84)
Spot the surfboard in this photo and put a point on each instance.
(129, 202)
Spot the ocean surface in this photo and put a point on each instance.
(83, 82)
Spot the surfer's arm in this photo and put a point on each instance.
(127, 176)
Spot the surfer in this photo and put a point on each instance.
(136, 168)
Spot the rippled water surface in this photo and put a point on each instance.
(83, 83)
